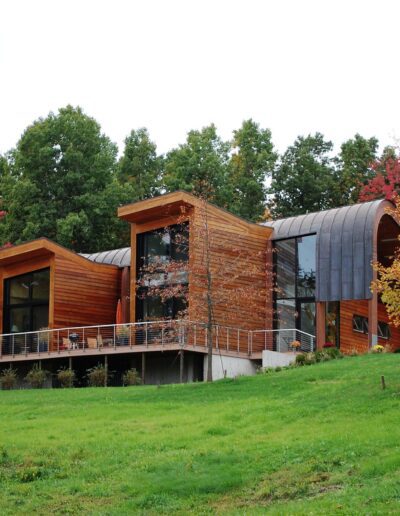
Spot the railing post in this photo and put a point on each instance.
(115, 342)
(279, 341)
(13, 345)
(145, 336)
(130, 335)
(83, 339)
(25, 346)
(58, 341)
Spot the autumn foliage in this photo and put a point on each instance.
(386, 182)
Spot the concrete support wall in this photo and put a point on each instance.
(275, 359)
(233, 366)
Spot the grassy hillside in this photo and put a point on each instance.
(318, 439)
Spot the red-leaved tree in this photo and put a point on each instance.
(386, 182)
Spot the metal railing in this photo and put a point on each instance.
(283, 340)
(155, 334)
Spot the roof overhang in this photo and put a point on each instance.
(178, 203)
(42, 248)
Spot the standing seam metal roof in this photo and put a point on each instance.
(119, 257)
(344, 248)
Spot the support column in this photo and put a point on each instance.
(143, 367)
(106, 370)
(181, 365)
(320, 325)
(373, 320)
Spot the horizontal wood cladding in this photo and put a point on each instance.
(83, 296)
(238, 256)
(350, 340)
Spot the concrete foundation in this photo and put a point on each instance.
(275, 359)
(229, 367)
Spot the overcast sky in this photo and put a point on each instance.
(295, 66)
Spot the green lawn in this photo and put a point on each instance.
(318, 439)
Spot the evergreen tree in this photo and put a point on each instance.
(251, 163)
(140, 166)
(304, 178)
(200, 166)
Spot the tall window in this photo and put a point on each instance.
(26, 302)
(295, 267)
(159, 248)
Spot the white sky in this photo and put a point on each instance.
(295, 66)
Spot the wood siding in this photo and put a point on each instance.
(83, 295)
(350, 340)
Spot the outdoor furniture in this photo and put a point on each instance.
(92, 342)
(73, 338)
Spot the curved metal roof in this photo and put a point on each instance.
(344, 248)
(119, 257)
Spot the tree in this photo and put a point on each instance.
(251, 163)
(304, 178)
(63, 185)
(385, 182)
(200, 166)
(387, 284)
(353, 168)
(140, 165)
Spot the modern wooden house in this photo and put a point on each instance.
(302, 278)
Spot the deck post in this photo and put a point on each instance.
(320, 325)
(181, 365)
(373, 320)
(70, 363)
(106, 370)
(143, 367)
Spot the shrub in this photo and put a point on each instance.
(322, 356)
(396, 350)
(131, 377)
(334, 353)
(97, 376)
(8, 378)
(310, 359)
(66, 377)
(300, 359)
(377, 348)
(36, 377)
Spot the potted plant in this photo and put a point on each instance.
(43, 339)
(295, 345)
(123, 335)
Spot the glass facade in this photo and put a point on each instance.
(158, 249)
(26, 302)
(295, 266)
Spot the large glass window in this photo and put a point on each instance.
(156, 250)
(26, 302)
(295, 266)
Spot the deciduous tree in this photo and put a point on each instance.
(200, 166)
(304, 178)
(385, 182)
(140, 165)
(251, 163)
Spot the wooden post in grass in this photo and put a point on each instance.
(383, 382)
(181, 365)
(143, 367)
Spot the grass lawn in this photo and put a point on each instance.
(318, 439)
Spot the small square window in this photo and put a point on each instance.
(360, 324)
(383, 330)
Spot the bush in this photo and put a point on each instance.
(8, 378)
(66, 377)
(97, 376)
(131, 377)
(322, 356)
(310, 359)
(300, 359)
(36, 377)
(334, 353)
